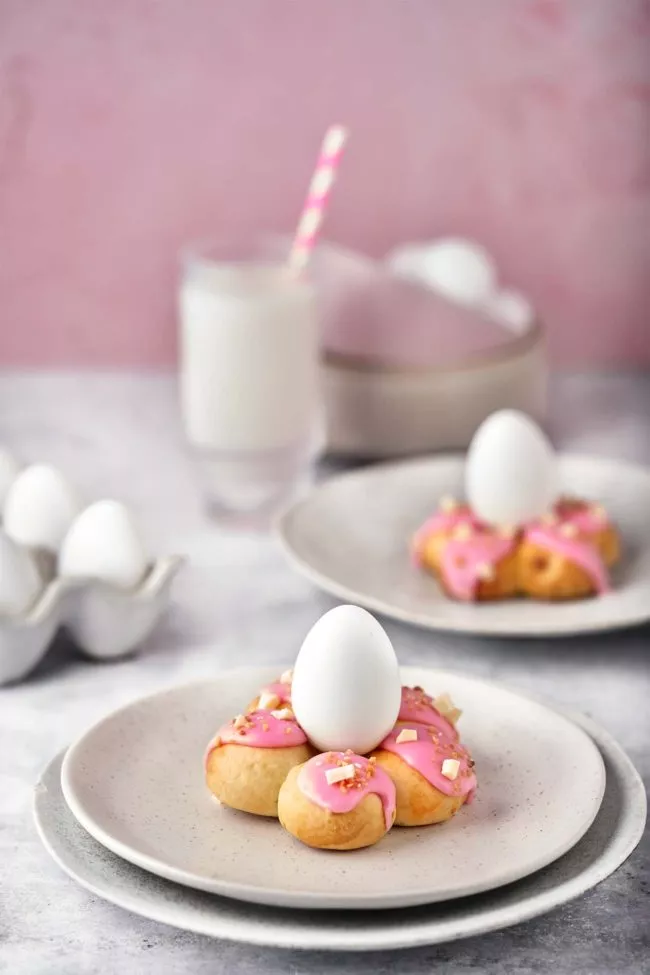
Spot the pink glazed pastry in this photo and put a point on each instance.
(337, 801)
(564, 555)
(250, 757)
(420, 707)
(472, 560)
(432, 772)
(567, 553)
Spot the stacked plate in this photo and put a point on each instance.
(126, 813)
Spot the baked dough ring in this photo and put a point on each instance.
(319, 827)
(418, 802)
(504, 584)
(249, 778)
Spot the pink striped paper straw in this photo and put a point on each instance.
(313, 212)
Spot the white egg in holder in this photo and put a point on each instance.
(511, 470)
(103, 544)
(346, 687)
(39, 507)
(85, 570)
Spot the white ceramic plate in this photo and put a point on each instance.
(617, 829)
(135, 782)
(350, 537)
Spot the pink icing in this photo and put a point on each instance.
(261, 730)
(281, 691)
(576, 550)
(418, 706)
(588, 519)
(462, 561)
(444, 522)
(427, 754)
(342, 797)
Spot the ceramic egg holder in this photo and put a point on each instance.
(105, 620)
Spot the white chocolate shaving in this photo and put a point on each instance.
(284, 714)
(485, 571)
(450, 768)
(448, 504)
(287, 676)
(598, 511)
(462, 532)
(240, 721)
(569, 530)
(268, 701)
(549, 519)
(406, 734)
(447, 708)
(339, 774)
(443, 702)
(453, 715)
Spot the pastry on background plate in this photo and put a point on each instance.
(433, 774)
(471, 560)
(251, 756)
(515, 536)
(430, 541)
(566, 554)
(337, 801)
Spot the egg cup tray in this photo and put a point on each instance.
(105, 622)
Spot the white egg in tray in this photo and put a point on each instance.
(63, 564)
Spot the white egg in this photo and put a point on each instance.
(461, 270)
(346, 686)
(408, 262)
(9, 468)
(511, 309)
(20, 581)
(103, 543)
(39, 507)
(511, 471)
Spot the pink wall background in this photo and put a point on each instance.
(129, 126)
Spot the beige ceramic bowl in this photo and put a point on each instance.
(378, 411)
(406, 371)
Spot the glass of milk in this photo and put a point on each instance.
(249, 374)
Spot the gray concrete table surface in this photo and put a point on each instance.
(120, 436)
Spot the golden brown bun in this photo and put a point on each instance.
(608, 543)
(504, 585)
(418, 802)
(544, 574)
(315, 826)
(431, 554)
(250, 778)
(530, 569)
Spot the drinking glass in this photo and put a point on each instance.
(249, 374)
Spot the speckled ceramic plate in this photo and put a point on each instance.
(350, 537)
(135, 782)
(617, 829)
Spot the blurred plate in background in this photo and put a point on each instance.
(351, 538)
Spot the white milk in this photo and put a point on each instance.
(249, 358)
